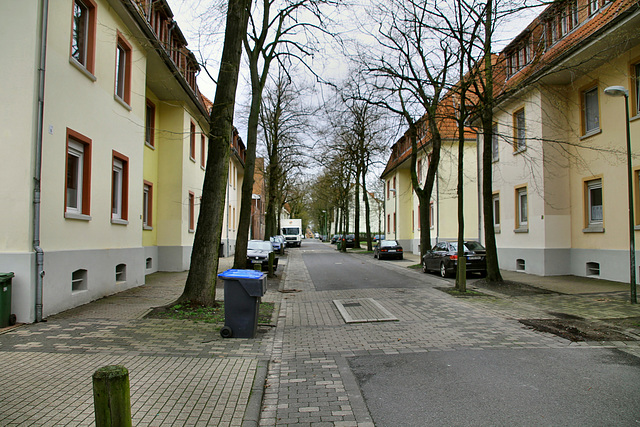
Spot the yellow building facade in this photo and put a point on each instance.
(115, 128)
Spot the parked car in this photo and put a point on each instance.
(278, 243)
(258, 253)
(349, 241)
(444, 258)
(388, 249)
(335, 238)
(378, 237)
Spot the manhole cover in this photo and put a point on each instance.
(363, 310)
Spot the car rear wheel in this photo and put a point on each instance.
(443, 270)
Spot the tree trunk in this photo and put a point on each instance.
(367, 212)
(356, 208)
(493, 268)
(200, 285)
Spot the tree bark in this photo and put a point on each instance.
(200, 286)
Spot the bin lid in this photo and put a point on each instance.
(241, 274)
(5, 276)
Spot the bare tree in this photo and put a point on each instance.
(200, 284)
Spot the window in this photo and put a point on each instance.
(593, 6)
(636, 87)
(78, 175)
(150, 124)
(192, 142)
(192, 211)
(495, 149)
(388, 222)
(522, 216)
(119, 187)
(496, 210)
(431, 215)
(594, 203)
(394, 222)
(121, 273)
(394, 186)
(123, 70)
(147, 205)
(419, 170)
(203, 151)
(573, 12)
(591, 114)
(388, 189)
(83, 34)
(519, 141)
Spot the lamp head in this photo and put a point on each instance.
(616, 91)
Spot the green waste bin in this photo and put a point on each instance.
(6, 318)
(339, 244)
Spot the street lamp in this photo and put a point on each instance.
(325, 225)
(395, 213)
(621, 91)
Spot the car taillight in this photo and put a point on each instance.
(453, 257)
(399, 249)
(383, 250)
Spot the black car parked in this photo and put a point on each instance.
(258, 253)
(349, 241)
(444, 258)
(388, 249)
(335, 238)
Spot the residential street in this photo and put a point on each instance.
(444, 361)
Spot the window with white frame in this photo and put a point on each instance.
(495, 148)
(83, 33)
(431, 215)
(594, 202)
(78, 176)
(573, 11)
(591, 112)
(593, 6)
(522, 208)
(75, 171)
(123, 70)
(119, 187)
(519, 140)
(147, 205)
(496, 210)
(636, 86)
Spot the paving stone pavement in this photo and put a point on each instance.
(309, 382)
(184, 373)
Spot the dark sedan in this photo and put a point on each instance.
(349, 241)
(388, 249)
(443, 258)
(258, 253)
(335, 238)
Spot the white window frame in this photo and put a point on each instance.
(495, 147)
(595, 214)
(80, 33)
(117, 188)
(76, 150)
(522, 206)
(587, 109)
(121, 71)
(520, 131)
(495, 203)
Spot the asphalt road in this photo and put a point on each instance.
(333, 270)
(489, 387)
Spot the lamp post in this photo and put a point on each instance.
(621, 91)
(395, 213)
(325, 225)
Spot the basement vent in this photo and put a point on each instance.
(149, 264)
(593, 269)
(121, 273)
(79, 280)
(520, 265)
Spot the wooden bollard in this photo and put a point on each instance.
(111, 399)
(272, 259)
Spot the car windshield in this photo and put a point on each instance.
(259, 245)
(293, 231)
(469, 246)
(385, 243)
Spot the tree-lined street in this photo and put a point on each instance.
(445, 361)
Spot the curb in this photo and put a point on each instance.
(252, 413)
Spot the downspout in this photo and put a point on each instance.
(38, 166)
(479, 183)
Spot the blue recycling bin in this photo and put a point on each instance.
(242, 292)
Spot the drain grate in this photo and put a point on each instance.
(363, 310)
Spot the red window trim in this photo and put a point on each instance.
(121, 41)
(192, 141)
(150, 208)
(202, 151)
(125, 183)
(192, 211)
(91, 35)
(152, 127)
(86, 170)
